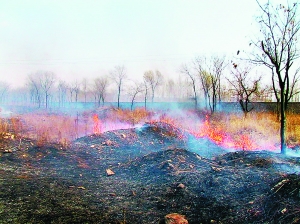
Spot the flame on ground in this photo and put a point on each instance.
(242, 142)
(221, 138)
(57, 128)
(218, 136)
(97, 124)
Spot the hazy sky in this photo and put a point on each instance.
(77, 39)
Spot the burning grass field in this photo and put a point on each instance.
(122, 166)
(257, 131)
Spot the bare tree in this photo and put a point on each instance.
(183, 86)
(40, 83)
(193, 78)
(153, 80)
(100, 88)
(170, 85)
(71, 90)
(146, 90)
(209, 73)
(34, 89)
(207, 80)
(244, 87)
(84, 85)
(277, 48)
(219, 65)
(214, 79)
(62, 92)
(133, 91)
(47, 80)
(203, 77)
(75, 88)
(118, 75)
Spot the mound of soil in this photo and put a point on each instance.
(140, 175)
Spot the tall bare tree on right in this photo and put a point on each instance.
(276, 47)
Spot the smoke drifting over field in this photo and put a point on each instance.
(229, 131)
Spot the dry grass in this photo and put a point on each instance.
(133, 117)
(293, 129)
(260, 128)
(4, 126)
(256, 131)
(62, 129)
(10, 128)
(47, 128)
(263, 128)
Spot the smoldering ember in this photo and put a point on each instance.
(109, 165)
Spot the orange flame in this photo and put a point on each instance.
(221, 138)
(214, 134)
(217, 135)
(97, 124)
(245, 143)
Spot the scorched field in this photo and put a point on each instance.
(121, 166)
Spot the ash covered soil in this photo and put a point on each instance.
(140, 175)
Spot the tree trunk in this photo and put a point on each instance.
(195, 95)
(46, 99)
(131, 106)
(282, 123)
(103, 101)
(119, 93)
(99, 101)
(214, 98)
(145, 98)
(132, 101)
(206, 98)
(152, 95)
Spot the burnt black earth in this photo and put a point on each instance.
(139, 175)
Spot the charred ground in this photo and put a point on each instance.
(158, 169)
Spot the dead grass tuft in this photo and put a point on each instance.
(138, 115)
(293, 129)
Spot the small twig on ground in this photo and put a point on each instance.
(280, 185)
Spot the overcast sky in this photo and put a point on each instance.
(77, 39)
